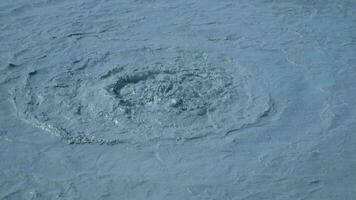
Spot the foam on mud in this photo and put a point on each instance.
(187, 96)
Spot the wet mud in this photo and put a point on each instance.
(160, 99)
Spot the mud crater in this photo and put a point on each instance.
(184, 91)
(186, 96)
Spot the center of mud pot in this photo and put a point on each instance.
(170, 91)
(183, 97)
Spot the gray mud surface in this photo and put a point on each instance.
(163, 99)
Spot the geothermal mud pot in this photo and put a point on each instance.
(188, 95)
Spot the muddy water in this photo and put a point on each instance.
(177, 100)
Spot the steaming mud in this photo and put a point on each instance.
(186, 96)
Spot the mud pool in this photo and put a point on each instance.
(161, 99)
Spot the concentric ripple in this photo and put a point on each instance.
(188, 97)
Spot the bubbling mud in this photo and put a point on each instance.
(194, 96)
(185, 90)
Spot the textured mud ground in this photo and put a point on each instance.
(161, 99)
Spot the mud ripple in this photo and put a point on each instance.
(191, 96)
